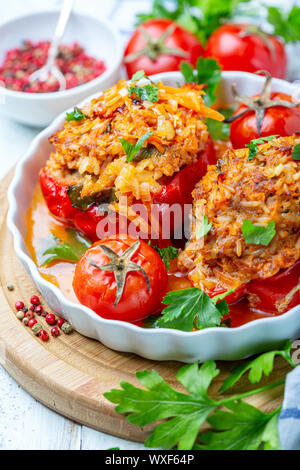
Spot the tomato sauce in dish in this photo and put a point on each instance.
(41, 224)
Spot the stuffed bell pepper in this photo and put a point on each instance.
(139, 142)
(246, 227)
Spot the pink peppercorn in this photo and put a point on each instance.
(19, 305)
(39, 309)
(43, 335)
(34, 300)
(55, 332)
(32, 322)
(60, 321)
(29, 315)
(50, 319)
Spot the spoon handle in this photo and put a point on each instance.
(60, 29)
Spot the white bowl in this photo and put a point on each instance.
(157, 344)
(98, 37)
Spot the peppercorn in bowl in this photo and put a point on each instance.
(89, 67)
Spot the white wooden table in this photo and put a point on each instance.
(24, 422)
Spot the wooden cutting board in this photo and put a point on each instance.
(69, 374)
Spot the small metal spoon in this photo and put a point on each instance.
(50, 67)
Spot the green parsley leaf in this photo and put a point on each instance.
(192, 307)
(243, 428)
(204, 228)
(286, 24)
(132, 150)
(257, 234)
(76, 115)
(66, 251)
(200, 17)
(207, 72)
(262, 364)
(145, 92)
(296, 152)
(187, 412)
(220, 130)
(166, 253)
(253, 148)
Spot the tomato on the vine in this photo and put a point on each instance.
(246, 48)
(280, 120)
(159, 45)
(121, 278)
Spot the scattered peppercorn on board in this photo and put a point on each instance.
(70, 373)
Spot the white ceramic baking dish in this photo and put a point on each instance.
(157, 344)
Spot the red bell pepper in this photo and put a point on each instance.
(178, 190)
(275, 295)
(278, 293)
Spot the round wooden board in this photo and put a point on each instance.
(69, 374)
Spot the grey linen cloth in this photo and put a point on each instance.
(289, 419)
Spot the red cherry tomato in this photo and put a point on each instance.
(97, 289)
(235, 48)
(156, 59)
(279, 120)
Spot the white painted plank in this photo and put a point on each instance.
(27, 424)
(94, 440)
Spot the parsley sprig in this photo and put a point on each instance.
(257, 234)
(203, 228)
(76, 115)
(148, 92)
(253, 146)
(132, 150)
(207, 72)
(220, 130)
(166, 254)
(188, 308)
(70, 250)
(257, 367)
(286, 24)
(296, 152)
(235, 424)
(200, 17)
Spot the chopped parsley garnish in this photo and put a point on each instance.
(257, 234)
(166, 254)
(188, 308)
(76, 115)
(147, 92)
(70, 250)
(296, 152)
(253, 146)
(132, 150)
(204, 228)
(207, 72)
